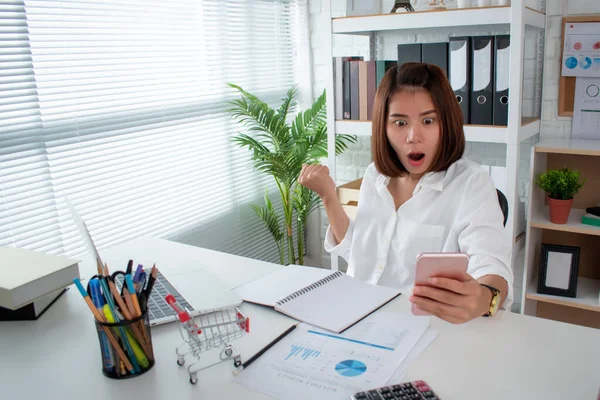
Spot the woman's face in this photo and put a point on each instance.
(413, 129)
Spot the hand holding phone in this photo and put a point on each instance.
(447, 265)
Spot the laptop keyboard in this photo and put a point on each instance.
(157, 305)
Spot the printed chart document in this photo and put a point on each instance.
(581, 49)
(424, 341)
(586, 112)
(312, 363)
(349, 299)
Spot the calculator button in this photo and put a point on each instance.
(388, 396)
(420, 383)
(360, 396)
(416, 396)
(428, 394)
(384, 390)
(396, 387)
(423, 388)
(375, 396)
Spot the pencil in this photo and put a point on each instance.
(119, 299)
(137, 333)
(100, 318)
(264, 349)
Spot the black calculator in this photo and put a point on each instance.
(416, 390)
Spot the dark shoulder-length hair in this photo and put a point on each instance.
(414, 76)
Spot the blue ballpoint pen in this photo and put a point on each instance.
(111, 305)
(140, 283)
(107, 352)
(138, 272)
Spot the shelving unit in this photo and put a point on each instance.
(514, 20)
(583, 155)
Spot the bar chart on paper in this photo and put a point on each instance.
(318, 364)
(333, 358)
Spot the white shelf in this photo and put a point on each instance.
(353, 127)
(473, 133)
(541, 219)
(486, 17)
(569, 146)
(529, 127)
(588, 291)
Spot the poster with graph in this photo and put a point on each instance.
(317, 364)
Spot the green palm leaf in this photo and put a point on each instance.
(279, 150)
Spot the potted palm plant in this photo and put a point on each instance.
(280, 148)
(560, 185)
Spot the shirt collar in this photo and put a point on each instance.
(431, 180)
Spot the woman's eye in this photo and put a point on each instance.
(428, 121)
(400, 122)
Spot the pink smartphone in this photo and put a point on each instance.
(447, 265)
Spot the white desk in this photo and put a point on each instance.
(508, 357)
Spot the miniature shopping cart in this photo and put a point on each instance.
(213, 330)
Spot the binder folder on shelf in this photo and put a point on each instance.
(501, 75)
(482, 89)
(459, 73)
(354, 91)
(436, 54)
(409, 53)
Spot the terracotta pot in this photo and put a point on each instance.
(559, 210)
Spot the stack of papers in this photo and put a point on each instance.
(318, 364)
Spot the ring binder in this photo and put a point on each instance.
(309, 288)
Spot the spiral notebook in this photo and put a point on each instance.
(329, 300)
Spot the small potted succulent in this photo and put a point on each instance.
(560, 185)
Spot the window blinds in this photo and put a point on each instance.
(119, 106)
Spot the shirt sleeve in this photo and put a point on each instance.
(343, 248)
(482, 235)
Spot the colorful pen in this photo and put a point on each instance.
(100, 317)
(135, 346)
(107, 354)
(111, 305)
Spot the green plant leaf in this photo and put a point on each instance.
(280, 149)
(560, 184)
(270, 218)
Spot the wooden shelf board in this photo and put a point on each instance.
(569, 146)
(588, 291)
(541, 219)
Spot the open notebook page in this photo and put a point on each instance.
(269, 289)
(338, 303)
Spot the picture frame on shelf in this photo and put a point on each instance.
(559, 270)
(356, 8)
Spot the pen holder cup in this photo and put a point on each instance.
(126, 347)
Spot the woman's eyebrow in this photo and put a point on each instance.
(395, 115)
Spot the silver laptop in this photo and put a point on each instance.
(197, 291)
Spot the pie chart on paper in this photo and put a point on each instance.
(350, 368)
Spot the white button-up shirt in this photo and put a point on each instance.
(452, 211)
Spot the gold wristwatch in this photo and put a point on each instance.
(495, 303)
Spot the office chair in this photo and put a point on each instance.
(503, 205)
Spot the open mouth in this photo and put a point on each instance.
(416, 156)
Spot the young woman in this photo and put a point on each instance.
(421, 195)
